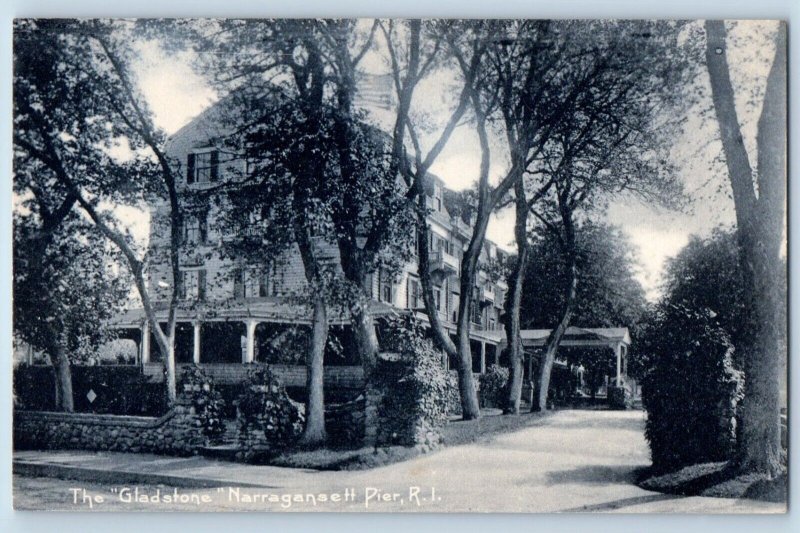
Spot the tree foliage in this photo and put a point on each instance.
(608, 295)
(82, 127)
(65, 294)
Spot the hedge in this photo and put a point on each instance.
(493, 386)
(690, 390)
(117, 390)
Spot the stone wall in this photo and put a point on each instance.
(399, 426)
(346, 422)
(406, 406)
(179, 432)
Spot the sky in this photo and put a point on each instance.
(176, 94)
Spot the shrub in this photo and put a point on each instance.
(620, 398)
(492, 386)
(264, 407)
(198, 387)
(690, 390)
(452, 395)
(414, 386)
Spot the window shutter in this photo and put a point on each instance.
(238, 284)
(263, 286)
(182, 286)
(203, 222)
(190, 169)
(201, 284)
(214, 165)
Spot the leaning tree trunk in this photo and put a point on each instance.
(470, 405)
(759, 221)
(546, 366)
(440, 336)
(516, 281)
(554, 340)
(461, 350)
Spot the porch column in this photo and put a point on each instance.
(483, 357)
(625, 361)
(145, 343)
(250, 354)
(196, 350)
(618, 351)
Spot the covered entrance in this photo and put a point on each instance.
(534, 342)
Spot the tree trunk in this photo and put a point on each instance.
(366, 339)
(516, 352)
(165, 344)
(470, 406)
(759, 221)
(63, 378)
(314, 432)
(169, 362)
(554, 340)
(469, 270)
(462, 351)
(440, 335)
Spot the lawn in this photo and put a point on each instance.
(455, 433)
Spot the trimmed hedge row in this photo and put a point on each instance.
(117, 390)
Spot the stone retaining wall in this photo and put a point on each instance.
(179, 432)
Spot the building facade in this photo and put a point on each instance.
(236, 311)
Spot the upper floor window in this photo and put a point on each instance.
(437, 198)
(202, 167)
(414, 294)
(386, 289)
(193, 285)
(476, 316)
(255, 283)
(437, 298)
(195, 228)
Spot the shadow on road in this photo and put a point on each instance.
(619, 504)
(595, 474)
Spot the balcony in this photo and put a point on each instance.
(443, 263)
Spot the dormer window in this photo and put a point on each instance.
(202, 167)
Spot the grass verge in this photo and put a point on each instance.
(718, 480)
(455, 433)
